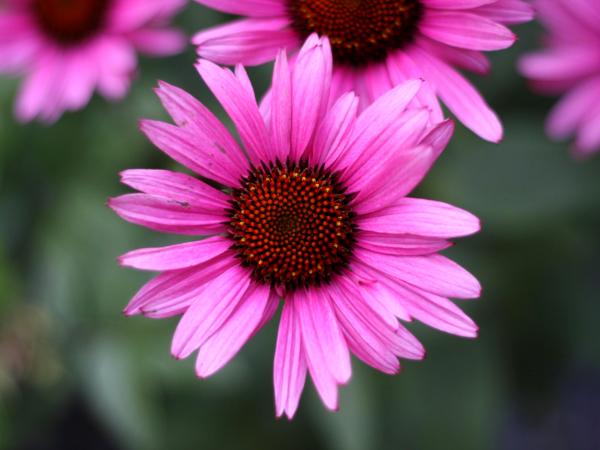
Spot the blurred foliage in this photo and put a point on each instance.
(75, 373)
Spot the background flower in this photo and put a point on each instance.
(570, 65)
(378, 44)
(313, 216)
(66, 49)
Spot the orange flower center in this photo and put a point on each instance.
(360, 31)
(292, 224)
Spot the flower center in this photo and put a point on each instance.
(70, 21)
(292, 224)
(360, 31)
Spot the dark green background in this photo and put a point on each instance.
(76, 374)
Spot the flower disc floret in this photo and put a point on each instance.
(292, 224)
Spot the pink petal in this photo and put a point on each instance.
(588, 137)
(379, 297)
(376, 81)
(246, 41)
(322, 337)
(421, 217)
(460, 97)
(175, 186)
(439, 137)
(210, 311)
(456, 4)
(241, 107)
(402, 68)
(381, 118)
(391, 148)
(187, 112)
(509, 12)
(168, 216)
(466, 30)
(194, 150)
(410, 168)
(158, 42)
(332, 136)
(289, 367)
(250, 8)
(433, 310)
(471, 60)
(311, 80)
(244, 79)
(570, 112)
(400, 244)
(116, 61)
(174, 257)
(222, 346)
(37, 93)
(376, 343)
(172, 292)
(281, 107)
(432, 273)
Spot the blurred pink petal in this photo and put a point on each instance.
(67, 52)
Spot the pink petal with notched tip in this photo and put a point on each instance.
(433, 273)
(225, 343)
(172, 292)
(325, 350)
(433, 310)
(188, 112)
(207, 314)
(193, 150)
(241, 108)
(460, 96)
(289, 367)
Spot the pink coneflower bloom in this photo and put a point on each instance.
(68, 48)
(378, 44)
(570, 64)
(313, 212)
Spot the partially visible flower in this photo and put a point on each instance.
(570, 65)
(68, 48)
(379, 44)
(313, 211)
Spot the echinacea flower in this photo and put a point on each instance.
(379, 44)
(570, 65)
(313, 212)
(67, 48)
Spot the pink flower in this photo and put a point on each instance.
(570, 64)
(313, 211)
(379, 44)
(68, 48)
